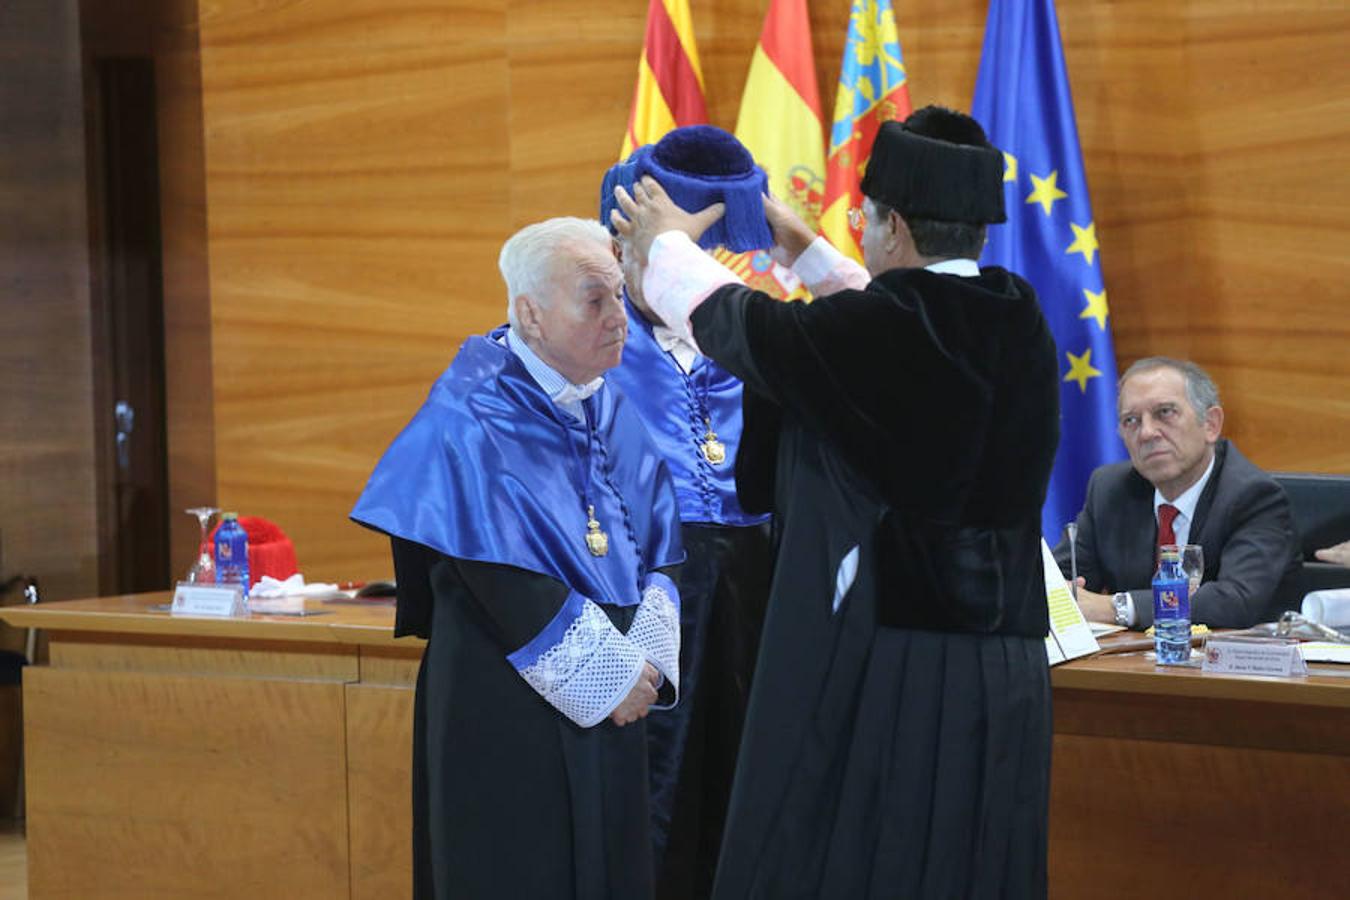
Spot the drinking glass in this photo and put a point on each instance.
(1193, 564)
(203, 570)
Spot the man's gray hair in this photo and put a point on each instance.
(529, 258)
(1201, 391)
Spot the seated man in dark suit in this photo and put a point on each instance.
(1183, 485)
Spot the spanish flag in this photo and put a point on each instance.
(781, 124)
(669, 90)
(780, 120)
(872, 89)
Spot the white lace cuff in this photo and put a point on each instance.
(656, 629)
(585, 672)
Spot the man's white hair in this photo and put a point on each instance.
(529, 258)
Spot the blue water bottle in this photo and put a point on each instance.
(232, 552)
(1171, 609)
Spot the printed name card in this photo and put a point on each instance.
(220, 600)
(1070, 636)
(1253, 656)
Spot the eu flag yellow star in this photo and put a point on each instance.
(1046, 192)
(1084, 241)
(1009, 166)
(1080, 369)
(1096, 308)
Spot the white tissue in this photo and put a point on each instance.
(267, 586)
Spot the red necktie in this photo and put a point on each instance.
(1167, 514)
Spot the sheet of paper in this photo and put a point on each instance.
(1101, 629)
(1070, 634)
(1325, 651)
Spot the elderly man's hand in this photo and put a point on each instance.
(639, 699)
(649, 211)
(791, 235)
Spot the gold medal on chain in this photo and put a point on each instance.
(596, 540)
(714, 451)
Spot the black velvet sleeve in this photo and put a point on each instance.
(412, 574)
(757, 455)
(516, 604)
(773, 354)
(795, 357)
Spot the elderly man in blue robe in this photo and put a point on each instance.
(534, 531)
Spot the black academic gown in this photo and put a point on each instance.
(724, 585)
(491, 758)
(899, 744)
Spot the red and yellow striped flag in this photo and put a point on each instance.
(669, 91)
(872, 89)
(780, 123)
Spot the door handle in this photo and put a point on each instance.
(124, 415)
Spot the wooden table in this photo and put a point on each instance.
(1167, 781)
(173, 757)
(269, 757)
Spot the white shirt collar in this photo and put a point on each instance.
(1186, 503)
(671, 341)
(966, 268)
(559, 389)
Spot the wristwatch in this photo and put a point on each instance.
(1120, 601)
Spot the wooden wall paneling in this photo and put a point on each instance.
(166, 32)
(48, 506)
(1127, 71)
(1109, 788)
(179, 654)
(127, 769)
(357, 199)
(1143, 774)
(572, 68)
(379, 776)
(1271, 102)
(189, 389)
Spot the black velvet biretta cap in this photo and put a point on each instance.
(928, 177)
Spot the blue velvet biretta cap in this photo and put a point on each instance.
(699, 165)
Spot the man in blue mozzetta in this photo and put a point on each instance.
(692, 409)
(534, 531)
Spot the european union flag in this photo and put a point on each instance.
(1022, 98)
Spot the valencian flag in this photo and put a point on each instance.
(669, 91)
(1022, 98)
(872, 89)
(780, 124)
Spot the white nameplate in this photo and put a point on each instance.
(222, 600)
(1253, 656)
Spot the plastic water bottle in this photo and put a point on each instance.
(1171, 609)
(232, 552)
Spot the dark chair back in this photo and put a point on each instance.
(1321, 509)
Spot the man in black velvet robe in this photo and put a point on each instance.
(898, 737)
(534, 530)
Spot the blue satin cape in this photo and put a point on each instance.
(668, 403)
(484, 472)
